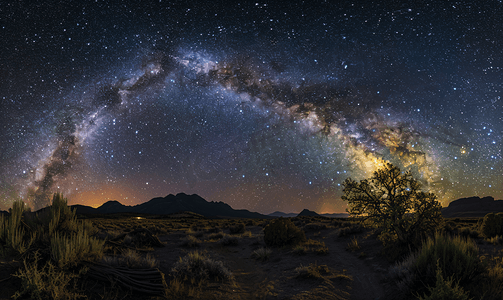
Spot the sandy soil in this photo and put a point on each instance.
(276, 277)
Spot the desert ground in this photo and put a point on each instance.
(340, 260)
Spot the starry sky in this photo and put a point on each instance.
(262, 105)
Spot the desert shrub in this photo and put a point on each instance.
(215, 236)
(190, 241)
(312, 271)
(237, 229)
(403, 274)
(491, 287)
(47, 282)
(353, 245)
(311, 245)
(445, 289)
(247, 234)
(131, 259)
(197, 266)
(281, 232)
(496, 240)
(13, 231)
(262, 254)
(300, 250)
(229, 240)
(455, 257)
(69, 250)
(492, 225)
(64, 220)
(213, 229)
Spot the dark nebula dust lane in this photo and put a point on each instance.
(262, 106)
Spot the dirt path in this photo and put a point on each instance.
(252, 281)
(366, 277)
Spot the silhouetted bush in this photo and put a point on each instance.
(455, 257)
(492, 225)
(229, 240)
(281, 232)
(445, 289)
(197, 266)
(238, 228)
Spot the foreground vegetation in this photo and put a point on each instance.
(55, 254)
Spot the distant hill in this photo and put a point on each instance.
(172, 204)
(307, 213)
(474, 207)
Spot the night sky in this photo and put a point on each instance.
(263, 106)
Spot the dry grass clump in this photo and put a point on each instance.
(353, 245)
(229, 240)
(237, 229)
(313, 271)
(196, 266)
(262, 254)
(311, 245)
(190, 241)
(46, 282)
(215, 236)
(496, 240)
(131, 259)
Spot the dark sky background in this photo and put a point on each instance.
(264, 106)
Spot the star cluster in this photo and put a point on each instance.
(260, 105)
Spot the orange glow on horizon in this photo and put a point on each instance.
(97, 197)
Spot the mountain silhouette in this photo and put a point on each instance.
(472, 207)
(173, 204)
(307, 213)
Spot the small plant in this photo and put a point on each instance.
(247, 234)
(353, 246)
(402, 273)
(262, 254)
(229, 240)
(190, 241)
(68, 251)
(312, 271)
(445, 289)
(496, 240)
(215, 236)
(131, 259)
(281, 232)
(199, 267)
(300, 250)
(237, 229)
